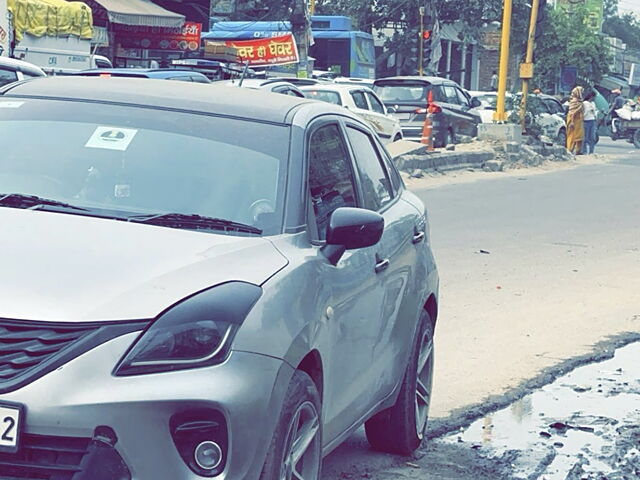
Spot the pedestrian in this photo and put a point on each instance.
(575, 122)
(617, 104)
(590, 121)
(494, 81)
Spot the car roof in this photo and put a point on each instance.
(336, 87)
(140, 72)
(194, 97)
(21, 66)
(416, 79)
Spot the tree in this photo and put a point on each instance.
(567, 41)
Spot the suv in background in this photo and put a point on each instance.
(274, 85)
(407, 98)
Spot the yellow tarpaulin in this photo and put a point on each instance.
(51, 17)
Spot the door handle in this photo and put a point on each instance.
(381, 264)
(418, 236)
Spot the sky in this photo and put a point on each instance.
(627, 6)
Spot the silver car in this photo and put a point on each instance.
(203, 283)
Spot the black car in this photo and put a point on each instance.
(407, 99)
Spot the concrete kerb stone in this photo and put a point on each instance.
(444, 161)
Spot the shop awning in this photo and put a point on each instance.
(139, 12)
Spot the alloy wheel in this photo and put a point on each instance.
(424, 379)
(302, 449)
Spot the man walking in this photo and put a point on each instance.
(590, 115)
(494, 81)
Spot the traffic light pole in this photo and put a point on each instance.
(526, 70)
(421, 45)
(501, 115)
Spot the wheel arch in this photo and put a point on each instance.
(311, 364)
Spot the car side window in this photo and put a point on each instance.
(376, 105)
(360, 100)
(451, 95)
(7, 76)
(462, 98)
(331, 183)
(376, 187)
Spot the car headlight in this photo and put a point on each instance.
(196, 332)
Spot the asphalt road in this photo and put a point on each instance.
(560, 282)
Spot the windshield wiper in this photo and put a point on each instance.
(19, 200)
(192, 221)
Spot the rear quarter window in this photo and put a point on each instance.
(324, 96)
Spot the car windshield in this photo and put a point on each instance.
(136, 161)
(324, 96)
(488, 100)
(406, 92)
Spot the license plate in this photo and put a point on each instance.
(11, 418)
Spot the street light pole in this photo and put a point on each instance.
(500, 115)
(526, 71)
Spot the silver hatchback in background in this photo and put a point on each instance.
(203, 282)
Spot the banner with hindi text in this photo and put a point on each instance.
(263, 52)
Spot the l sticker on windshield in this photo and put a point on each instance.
(11, 104)
(111, 138)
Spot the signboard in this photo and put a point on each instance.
(595, 10)
(264, 52)
(159, 38)
(4, 28)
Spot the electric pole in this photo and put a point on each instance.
(300, 28)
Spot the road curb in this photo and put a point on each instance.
(444, 161)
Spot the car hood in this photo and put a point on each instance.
(61, 267)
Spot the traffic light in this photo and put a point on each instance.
(427, 36)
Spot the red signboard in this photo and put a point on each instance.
(159, 38)
(263, 52)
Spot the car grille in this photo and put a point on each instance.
(23, 347)
(45, 458)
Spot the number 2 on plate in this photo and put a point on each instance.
(7, 432)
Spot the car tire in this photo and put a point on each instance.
(636, 138)
(400, 429)
(450, 139)
(299, 423)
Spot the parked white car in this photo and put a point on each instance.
(548, 112)
(12, 70)
(363, 102)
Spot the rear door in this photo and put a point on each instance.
(363, 109)
(457, 108)
(379, 115)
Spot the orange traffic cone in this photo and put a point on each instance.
(427, 128)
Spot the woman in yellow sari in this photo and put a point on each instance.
(575, 122)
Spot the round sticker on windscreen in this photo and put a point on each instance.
(111, 138)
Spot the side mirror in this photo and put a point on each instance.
(391, 110)
(350, 229)
(475, 103)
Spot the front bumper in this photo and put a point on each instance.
(83, 394)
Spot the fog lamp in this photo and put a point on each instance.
(208, 455)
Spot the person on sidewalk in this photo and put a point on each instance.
(575, 122)
(590, 124)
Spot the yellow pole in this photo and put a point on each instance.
(312, 7)
(530, 45)
(500, 115)
(421, 47)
